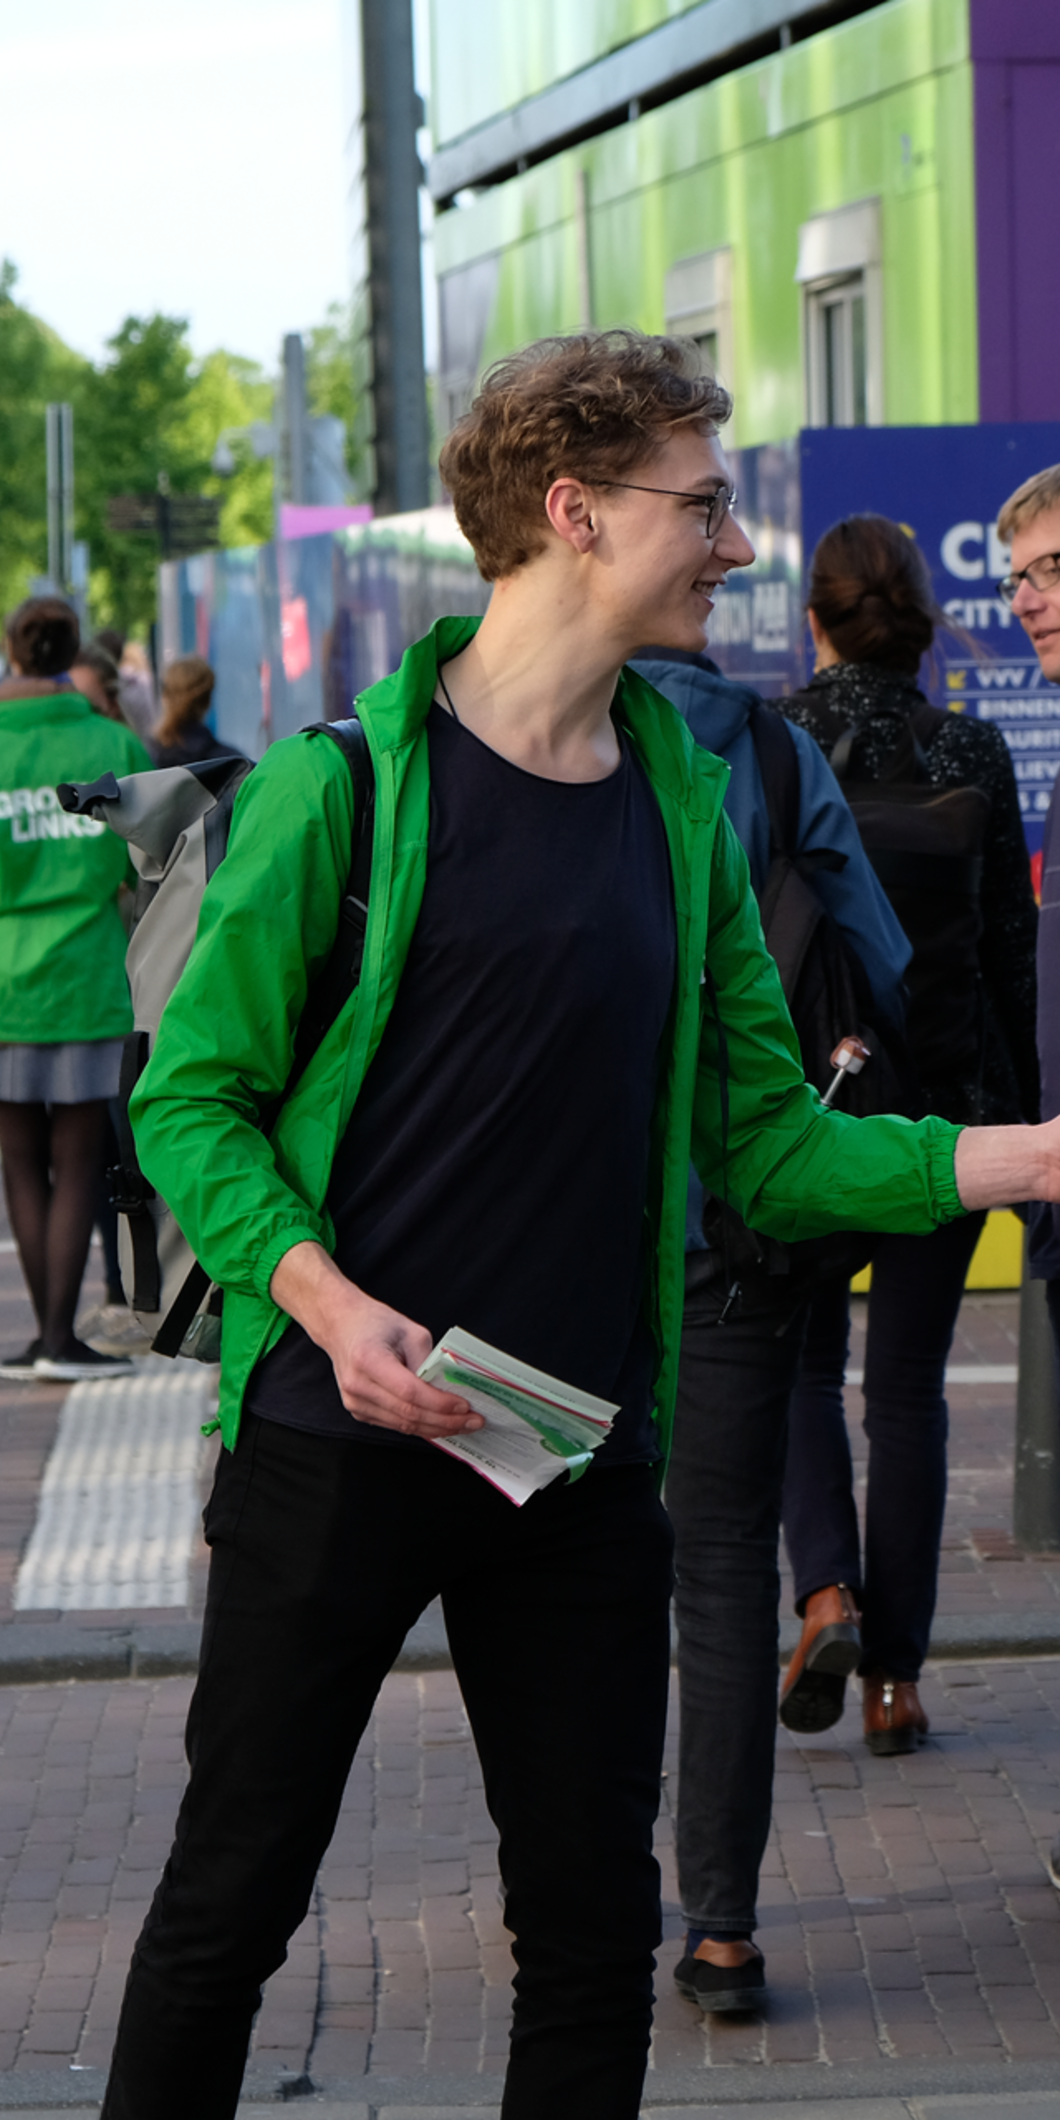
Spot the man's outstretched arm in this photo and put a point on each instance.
(996, 1165)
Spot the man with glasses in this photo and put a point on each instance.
(495, 1134)
(1030, 523)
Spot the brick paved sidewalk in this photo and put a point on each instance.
(910, 1932)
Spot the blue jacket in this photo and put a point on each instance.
(718, 714)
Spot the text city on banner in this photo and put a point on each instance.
(946, 486)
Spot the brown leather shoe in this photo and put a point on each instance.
(811, 1697)
(894, 1718)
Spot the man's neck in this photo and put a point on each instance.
(537, 682)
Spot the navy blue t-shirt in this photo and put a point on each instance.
(494, 1171)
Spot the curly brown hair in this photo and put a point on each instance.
(591, 406)
(870, 588)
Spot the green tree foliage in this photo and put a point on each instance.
(35, 367)
(231, 395)
(149, 411)
(329, 376)
(133, 427)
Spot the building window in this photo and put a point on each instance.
(840, 275)
(697, 305)
(837, 353)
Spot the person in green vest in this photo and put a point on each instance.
(64, 999)
(565, 996)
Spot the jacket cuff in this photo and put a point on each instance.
(269, 1257)
(941, 1150)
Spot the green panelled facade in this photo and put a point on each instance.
(486, 59)
(878, 108)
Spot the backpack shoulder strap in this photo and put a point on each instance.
(926, 721)
(778, 764)
(906, 760)
(343, 969)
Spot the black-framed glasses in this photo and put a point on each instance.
(1042, 574)
(715, 506)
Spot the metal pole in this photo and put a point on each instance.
(59, 456)
(53, 458)
(66, 466)
(392, 178)
(1036, 1501)
(294, 405)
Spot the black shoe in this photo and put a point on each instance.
(20, 1368)
(80, 1365)
(811, 1696)
(724, 1990)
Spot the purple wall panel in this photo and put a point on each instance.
(994, 257)
(1016, 52)
(1035, 108)
(1014, 29)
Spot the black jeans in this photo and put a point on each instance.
(324, 1553)
(723, 1493)
(917, 1285)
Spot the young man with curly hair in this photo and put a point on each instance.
(495, 1134)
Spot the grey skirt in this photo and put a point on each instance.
(60, 1074)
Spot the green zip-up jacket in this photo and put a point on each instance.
(62, 944)
(225, 1046)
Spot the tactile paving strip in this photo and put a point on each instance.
(120, 1503)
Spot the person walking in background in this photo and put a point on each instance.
(139, 702)
(95, 675)
(872, 615)
(64, 1001)
(181, 737)
(723, 1486)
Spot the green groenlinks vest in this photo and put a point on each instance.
(62, 943)
(268, 918)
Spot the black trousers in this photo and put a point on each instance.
(323, 1555)
(917, 1286)
(723, 1492)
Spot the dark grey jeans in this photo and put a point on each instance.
(723, 1493)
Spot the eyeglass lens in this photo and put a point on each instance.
(1042, 574)
(718, 508)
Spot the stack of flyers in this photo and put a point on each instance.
(536, 1427)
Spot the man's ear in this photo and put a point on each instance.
(569, 507)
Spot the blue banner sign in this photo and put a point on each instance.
(946, 485)
(755, 632)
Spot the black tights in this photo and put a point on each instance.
(52, 1156)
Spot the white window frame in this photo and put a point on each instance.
(839, 265)
(697, 304)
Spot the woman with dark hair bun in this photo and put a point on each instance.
(64, 1000)
(181, 737)
(873, 616)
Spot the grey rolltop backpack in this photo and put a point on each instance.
(176, 821)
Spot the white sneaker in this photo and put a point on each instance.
(1052, 1863)
(113, 1329)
